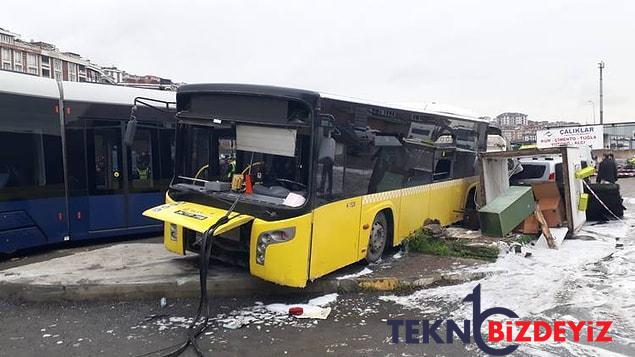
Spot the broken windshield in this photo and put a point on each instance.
(221, 159)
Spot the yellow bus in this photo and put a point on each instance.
(314, 182)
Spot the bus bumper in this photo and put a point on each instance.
(286, 262)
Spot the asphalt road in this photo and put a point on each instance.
(356, 326)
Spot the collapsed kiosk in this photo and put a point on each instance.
(495, 177)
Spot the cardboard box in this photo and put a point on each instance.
(553, 211)
(529, 226)
(548, 196)
(547, 189)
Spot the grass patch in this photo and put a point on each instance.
(525, 239)
(422, 242)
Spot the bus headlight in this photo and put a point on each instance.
(272, 237)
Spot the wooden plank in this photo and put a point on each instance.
(544, 227)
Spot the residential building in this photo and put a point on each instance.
(44, 60)
(511, 119)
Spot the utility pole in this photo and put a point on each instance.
(592, 109)
(601, 66)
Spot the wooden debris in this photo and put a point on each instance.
(551, 243)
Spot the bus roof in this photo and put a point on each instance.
(305, 95)
(409, 108)
(24, 84)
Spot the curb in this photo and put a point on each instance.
(219, 287)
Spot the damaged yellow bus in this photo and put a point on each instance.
(313, 182)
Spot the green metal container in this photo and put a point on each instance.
(507, 211)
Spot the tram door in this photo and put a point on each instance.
(106, 191)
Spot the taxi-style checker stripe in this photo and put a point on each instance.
(381, 196)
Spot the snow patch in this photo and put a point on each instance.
(363, 272)
(324, 299)
(585, 279)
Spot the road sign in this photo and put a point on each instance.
(585, 135)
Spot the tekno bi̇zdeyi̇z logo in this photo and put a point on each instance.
(512, 332)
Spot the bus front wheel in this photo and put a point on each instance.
(378, 238)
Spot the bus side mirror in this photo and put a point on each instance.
(131, 127)
(327, 121)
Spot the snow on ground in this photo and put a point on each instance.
(362, 272)
(260, 315)
(589, 278)
(324, 300)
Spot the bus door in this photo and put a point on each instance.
(336, 220)
(106, 192)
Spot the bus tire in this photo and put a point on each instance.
(378, 238)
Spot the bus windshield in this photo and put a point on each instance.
(275, 159)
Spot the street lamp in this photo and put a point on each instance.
(593, 109)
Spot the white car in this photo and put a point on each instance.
(538, 169)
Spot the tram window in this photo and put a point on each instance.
(28, 161)
(30, 150)
(141, 162)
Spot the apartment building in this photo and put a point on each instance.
(44, 60)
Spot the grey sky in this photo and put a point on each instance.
(536, 57)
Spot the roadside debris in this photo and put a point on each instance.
(271, 315)
(557, 235)
(433, 228)
(301, 311)
(504, 213)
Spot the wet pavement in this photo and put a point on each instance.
(589, 278)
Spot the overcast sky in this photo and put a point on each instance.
(535, 57)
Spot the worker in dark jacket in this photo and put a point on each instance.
(607, 171)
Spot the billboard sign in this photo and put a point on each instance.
(584, 135)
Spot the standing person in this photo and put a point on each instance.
(326, 157)
(607, 170)
(613, 167)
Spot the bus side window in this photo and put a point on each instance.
(444, 160)
(465, 164)
(419, 166)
